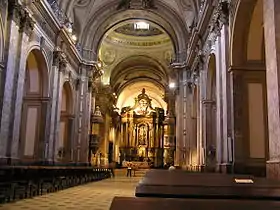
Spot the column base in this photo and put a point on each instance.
(273, 169)
(9, 161)
(224, 168)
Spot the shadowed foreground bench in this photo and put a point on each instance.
(120, 203)
(180, 184)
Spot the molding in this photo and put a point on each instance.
(253, 67)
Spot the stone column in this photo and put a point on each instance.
(224, 133)
(18, 22)
(26, 27)
(84, 94)
(59, 65)
(272, 39)
(202, 115)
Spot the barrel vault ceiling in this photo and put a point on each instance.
(132, 59)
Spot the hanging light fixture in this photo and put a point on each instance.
(141, 26)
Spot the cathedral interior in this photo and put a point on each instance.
(188, 83)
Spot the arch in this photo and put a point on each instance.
(151, 70)
(242, 20)
(130, 92)
(171, 23)
(64, 144)
(255, 45)
(67, 100)
(33, 119)
(247, 55)
(40, 58)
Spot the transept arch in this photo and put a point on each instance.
(138, 67)
(33, 108)
(105, 19)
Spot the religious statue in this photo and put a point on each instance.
(142, 135)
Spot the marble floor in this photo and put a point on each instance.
(95, 196)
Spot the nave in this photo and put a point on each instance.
(95, 195)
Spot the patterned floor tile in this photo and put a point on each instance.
(95, 196)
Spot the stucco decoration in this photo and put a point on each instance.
(108, 56)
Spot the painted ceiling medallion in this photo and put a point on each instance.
(129, 29)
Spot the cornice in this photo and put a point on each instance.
(61, 36)
(197, 35)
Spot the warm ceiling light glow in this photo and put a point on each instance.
(172, 85)
(141, 26)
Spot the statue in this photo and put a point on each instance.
(142, 135)
(124, 4)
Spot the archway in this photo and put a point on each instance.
(64, 144)
(33, 109)
(249, 88)
(176, 29)
(211, 115)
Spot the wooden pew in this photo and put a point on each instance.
(120, 203)
(25, 181)
(180, 184)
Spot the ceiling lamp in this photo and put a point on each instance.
(141, 26)
(172, 85)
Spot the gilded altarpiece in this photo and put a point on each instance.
(142, 132)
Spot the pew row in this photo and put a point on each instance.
(180, 184)
(19, 182)
(120, 203)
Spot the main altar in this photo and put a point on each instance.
(142, 132)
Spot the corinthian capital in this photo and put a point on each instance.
(20, 16)
(59, 59)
